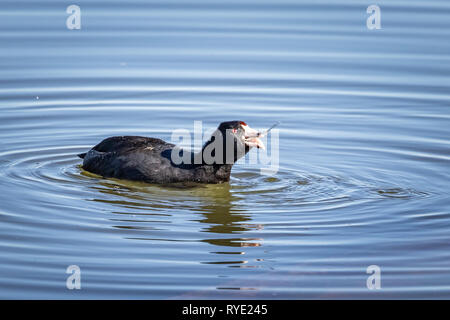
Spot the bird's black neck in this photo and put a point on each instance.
(220, 171)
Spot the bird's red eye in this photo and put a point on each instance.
(242, 123)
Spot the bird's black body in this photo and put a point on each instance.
(150, 159)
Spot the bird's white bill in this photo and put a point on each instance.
(255, 142)
(251, 137)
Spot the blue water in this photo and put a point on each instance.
(363, 143)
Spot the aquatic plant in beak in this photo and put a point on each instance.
(252, 136)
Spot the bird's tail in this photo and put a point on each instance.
(82, 155)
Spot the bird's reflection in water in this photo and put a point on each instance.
(219, 212)
(216, 204)
(221, 215)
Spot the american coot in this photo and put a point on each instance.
(156, 161)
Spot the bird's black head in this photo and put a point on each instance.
(230, 142)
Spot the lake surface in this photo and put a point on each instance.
(364, 150)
